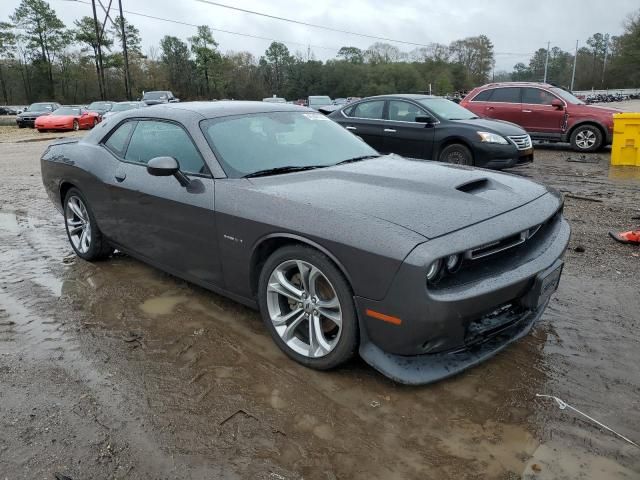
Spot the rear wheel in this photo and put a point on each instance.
(84, 235)
(586, 138)
(457, 154)
(307, 306)
(95, 122)
(76, 125)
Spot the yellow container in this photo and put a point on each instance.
(626, 139)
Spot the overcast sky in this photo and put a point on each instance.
(516, 27)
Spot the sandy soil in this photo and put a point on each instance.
(116, 370)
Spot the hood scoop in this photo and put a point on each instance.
(474, 186)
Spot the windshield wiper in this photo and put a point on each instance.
(357, 159)
(277, 170)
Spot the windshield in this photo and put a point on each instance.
(319, 101)
(447, 109)
(566, 96)
(247, 144)
(155, 96)
(40, 107)
(67, 111)
(121, 107)
(100, 106)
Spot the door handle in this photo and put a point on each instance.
(390, 130)
(120, 176)
(526, 111)
(489, 108)
(351, 128)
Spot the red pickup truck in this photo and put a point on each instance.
(546, 112)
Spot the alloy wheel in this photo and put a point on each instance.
(304, 308)
(585, 139)
(78, 224)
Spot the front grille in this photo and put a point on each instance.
(493, 323)
(502, 244)
(522, 142)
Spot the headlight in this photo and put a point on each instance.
(489, 137)
(434, 270)
(453, 263)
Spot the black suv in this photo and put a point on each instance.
(434, 128)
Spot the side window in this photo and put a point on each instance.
(403, 111)
(162, 139)
(506, 95)
(482, 96)
(349, 111)
(371, 110)
(117, 141)
(537, 96)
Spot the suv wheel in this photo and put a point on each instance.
(586, 138)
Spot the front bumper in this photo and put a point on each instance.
(26, 122)
(429, 368)
(496, 156)
(457, 314)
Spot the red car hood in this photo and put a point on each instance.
(594, 109)
(55, 119)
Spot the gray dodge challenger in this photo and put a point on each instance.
(422, 268)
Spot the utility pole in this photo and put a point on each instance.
(546, 62)
(99, 51)
(604, 63)
(575, 60)
(127, 78)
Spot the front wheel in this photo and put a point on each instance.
(84, 235)
(307, 306)
(76, 125)
(586, 138)
(457, 154)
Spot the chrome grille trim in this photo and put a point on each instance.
(502, 244)
(522, 142)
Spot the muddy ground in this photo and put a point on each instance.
(116, 370)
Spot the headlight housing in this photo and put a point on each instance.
(488, 137)
(434, 270)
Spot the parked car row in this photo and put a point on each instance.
(424, 269)
(46, 116)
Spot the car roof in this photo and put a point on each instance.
(408, 96)
(517, 84)
(225, 108)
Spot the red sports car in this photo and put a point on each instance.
(67, 118)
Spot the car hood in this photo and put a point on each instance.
(57, 118)
(494, 126)
(594, 109)
(33, 114)
(428, 198)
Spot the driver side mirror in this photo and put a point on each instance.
(426, 119)
(166, 167)
(557, 103)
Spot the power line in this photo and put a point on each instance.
(307, 24)
(179, 22)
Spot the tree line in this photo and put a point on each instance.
(41, 58)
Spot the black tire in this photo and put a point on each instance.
(456, 154)
(99, 248)
(95, 122)
(347, 342)
(22, 126)
(41, 130)
(76, 125)
(586, 138)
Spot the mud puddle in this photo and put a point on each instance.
(116, 370)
